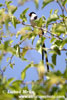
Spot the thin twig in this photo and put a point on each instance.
(22, 41)
(32, 48)
(10, 60)
(64, 49)
(26, 83)
(65, 8)
(1, 72)
(47, 36)
(60, 6)
(55, 35)
(62, 9)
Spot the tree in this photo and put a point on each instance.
(55, 29)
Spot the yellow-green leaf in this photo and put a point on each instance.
(41, 70)
(45, 2)
(23, 15)
(1, 4)
(12, 9)
(23, 73)
(54, 59)
(36, 3)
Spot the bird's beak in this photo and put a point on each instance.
(29, 14)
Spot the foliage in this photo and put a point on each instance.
(56, 28)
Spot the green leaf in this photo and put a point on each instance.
(11, 41)
(9, 81)
(6, 19)
(65, 40)
(13, 21)
(65, 73)
(23, 73)
(53, 90)
(17, 82)
(24, 32)
(16, 85)
(22, 2)
(63, 43)
(45, 2)
(58, 42)
(23, 15)
(56, 49)
(1, 56)
(27, 28)
(60, 28)
(36, 31)
(12, 9)
(25, 11)
(40, 22)
(51, 11)
(41, 70)
(6, 44)
(11, 50)
(25, 49)
(53, 17)
(17, 48)
(64, 2)
(11, 65)
(52, 66)
(1, 46)
(8, 2)
(58, 73)
(6, 24)
(39, 44)
(4, 68)
(52, 40)
(7, 48)
(54, 59)
(33, 38)
(1, 4)
(36, 3)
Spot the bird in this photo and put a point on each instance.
(33, 17)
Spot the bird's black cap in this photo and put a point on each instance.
(31, 13)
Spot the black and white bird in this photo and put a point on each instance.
(33, 18)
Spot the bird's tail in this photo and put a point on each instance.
(44, 52)
(46, 57)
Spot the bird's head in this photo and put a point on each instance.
(33, 18)
(32, 14)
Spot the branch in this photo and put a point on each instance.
(1, 72)
(65, 8)
(43, 30)
(62, 9)
(27, 83)
(32, 82)
(21, 41)
(47, 36)
(55, 35)
(32, 48)
(10, 60)
(64, 49)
